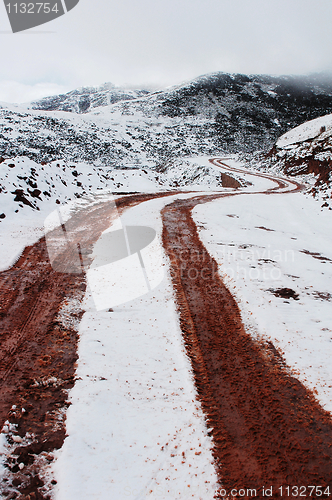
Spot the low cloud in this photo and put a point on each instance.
(15, 92)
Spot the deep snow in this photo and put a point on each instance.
(306, 131)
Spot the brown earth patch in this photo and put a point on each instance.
(228, 181)
(321, 169)
(322, 295)
(284, 293)
(316, 255)
(308, 164)
(264, 228)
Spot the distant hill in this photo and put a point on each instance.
(214, 113)
(118, 128)
(87, 98)
(248, 113)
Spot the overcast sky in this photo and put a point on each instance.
(163, 42)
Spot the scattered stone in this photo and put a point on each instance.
(17, 439)
(285, 293)
(20, 196)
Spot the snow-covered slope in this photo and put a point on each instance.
(306, 152)
(26, 185)
(87, 98)
(212, 114)
(307, 131)
(29, 191)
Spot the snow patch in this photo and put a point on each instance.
(306, 131)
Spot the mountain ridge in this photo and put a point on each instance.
(212, 115)
(220, 113)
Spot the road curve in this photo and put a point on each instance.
(284, 183)
(268, 429)
(247, 394)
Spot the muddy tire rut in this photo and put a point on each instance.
(38, 349)
(268, 429)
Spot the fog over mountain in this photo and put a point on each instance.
(103, 132)
(116, 127)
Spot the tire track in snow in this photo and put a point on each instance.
(38, 353)
(268, 429)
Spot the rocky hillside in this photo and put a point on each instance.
(130, 140)
(213, 114)
(305, 152)
(87, 98)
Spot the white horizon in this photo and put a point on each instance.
(163, 43)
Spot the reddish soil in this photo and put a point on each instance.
(37, 352)
(280, 183)
(268, 429)
(308, 164)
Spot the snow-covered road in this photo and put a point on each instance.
(135, 426)
(265, 243)
(136, 429)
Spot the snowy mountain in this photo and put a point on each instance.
(87, 98)
(127, 140)
(214, 113)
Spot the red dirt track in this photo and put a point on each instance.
(36, 347)
(268, 429)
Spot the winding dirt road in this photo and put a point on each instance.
(268, 429)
